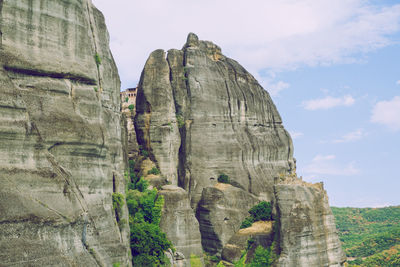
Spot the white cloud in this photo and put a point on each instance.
(268, 83)
(326, 165)
(328, 102)
(260, 34)
(275, 88)
(296, 135)
(387, 113)
(350, 137)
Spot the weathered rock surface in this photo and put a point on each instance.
(220, 212)
(179, 222)
(155, 122)
(128, 109)
(260, 232)
(307, 228)
(61, 151)
(201, 114)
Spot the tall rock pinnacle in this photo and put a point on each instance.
(61, 155)
(200, 114)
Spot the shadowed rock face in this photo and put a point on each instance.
(60, 137)
(201, 114)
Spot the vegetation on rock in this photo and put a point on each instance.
(223, 178)
(260, 212)
(195, 261)
(143, 152)
(180, 121)
(147, 241)
(118, 202)
(97, 59)
(131, 107)
(263, 257)
(154, 171)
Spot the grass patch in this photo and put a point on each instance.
(195, 261)
(97, 59)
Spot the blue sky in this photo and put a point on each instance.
(331, 67)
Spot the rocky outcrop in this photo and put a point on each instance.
(200, 115)
(260, 233)
(178, 217)
(220, 212)
(128, 109)
(308, 235)
(61, 153)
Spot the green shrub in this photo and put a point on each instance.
(154, 171)
(262, 211)
(95, 89)
(180, 121)
(223, 178)
(144, 153)
(117, 264)
(118, 202)
(262, 257)
(242, 261)
(250, 242)
(142, 185)
(131, 107)
(148, 244)
(157, 210)
(97, 59)
(214, 258)
(247, 222)
(126, 99)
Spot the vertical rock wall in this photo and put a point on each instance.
(307, 227)
(60, 137)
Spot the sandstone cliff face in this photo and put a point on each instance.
(201, 114)
(60, 137)
(307, 227)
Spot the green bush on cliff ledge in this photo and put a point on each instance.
(154, 171)
(260, 212)
(148, 244)
(247, 222)
(223, 178)
(180, 121)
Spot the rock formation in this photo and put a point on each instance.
(128, 109)
(199, 115)
(61, 155)
(308, 235)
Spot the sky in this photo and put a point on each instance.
(331, 67)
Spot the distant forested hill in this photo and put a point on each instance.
(370, 236)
